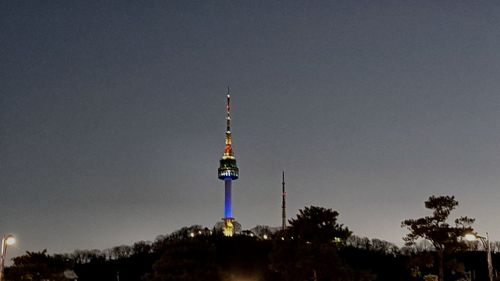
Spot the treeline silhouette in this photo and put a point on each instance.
(314, 247)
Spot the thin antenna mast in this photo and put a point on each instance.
(283, 204)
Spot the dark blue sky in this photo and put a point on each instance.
(112, 114)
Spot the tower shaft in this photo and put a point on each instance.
(228, 210)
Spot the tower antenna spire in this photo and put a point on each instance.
(283, 203)
(228, 112)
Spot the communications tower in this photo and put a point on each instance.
(228, 171)
(283, 204)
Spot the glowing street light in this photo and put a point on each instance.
(486, 245)
(7, 240)
(10, 240)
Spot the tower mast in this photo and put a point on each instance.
(283, 204)
(228, 171)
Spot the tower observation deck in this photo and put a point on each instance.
(228, 171)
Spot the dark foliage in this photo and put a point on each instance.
(186, 260)
(314, 247)
(308, 249)
(444, 237)
(38, 266)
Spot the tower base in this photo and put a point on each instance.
(228, 229)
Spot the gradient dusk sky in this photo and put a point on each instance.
(112, 114)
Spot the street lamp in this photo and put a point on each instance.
(486, 245)
(7, 240)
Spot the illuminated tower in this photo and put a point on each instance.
(228, 171)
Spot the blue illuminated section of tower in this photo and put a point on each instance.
(228, 171)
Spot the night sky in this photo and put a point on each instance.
(112, 115)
